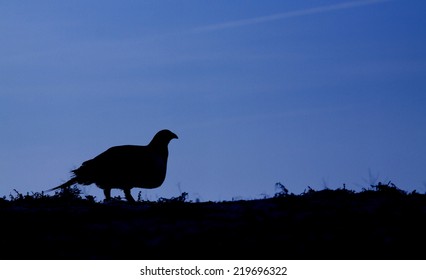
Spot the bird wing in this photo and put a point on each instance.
(128, 165)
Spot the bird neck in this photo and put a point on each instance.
(160, 148)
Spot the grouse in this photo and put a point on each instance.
(126, 167)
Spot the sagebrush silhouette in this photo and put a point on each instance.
(126, 167)
(381, 222)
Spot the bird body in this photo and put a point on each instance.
(126, 167)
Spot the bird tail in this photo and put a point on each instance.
(65, 185)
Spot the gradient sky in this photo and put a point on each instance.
(306, 93)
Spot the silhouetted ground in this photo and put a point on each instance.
(383, 222)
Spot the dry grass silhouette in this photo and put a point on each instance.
(379, 222)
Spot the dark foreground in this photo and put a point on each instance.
(381, 223)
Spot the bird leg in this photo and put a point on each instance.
(107, 193)
(128, 195)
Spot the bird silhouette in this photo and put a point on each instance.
(126, 167)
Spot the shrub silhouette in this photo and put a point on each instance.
(381, 222)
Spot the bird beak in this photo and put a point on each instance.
(175, 136)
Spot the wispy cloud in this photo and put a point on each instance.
(280, 16)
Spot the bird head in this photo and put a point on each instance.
(163, 137)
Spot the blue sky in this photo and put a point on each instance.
(306, 93)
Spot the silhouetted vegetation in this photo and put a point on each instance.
(379, 222)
